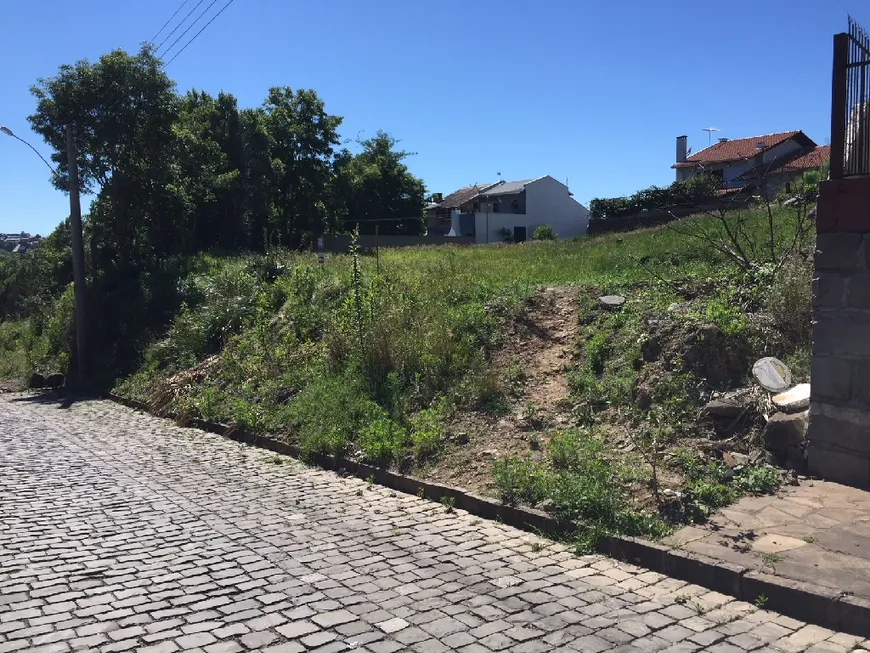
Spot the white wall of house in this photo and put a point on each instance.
(547, 202)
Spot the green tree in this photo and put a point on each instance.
(122, 109)
(209, 172)
(30, 283)
(303, 137)
(379, 188)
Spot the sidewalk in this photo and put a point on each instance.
(817, 533)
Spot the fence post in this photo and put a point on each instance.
(839, 105)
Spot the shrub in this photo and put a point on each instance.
(519, 480)
(329, 412)
(427, 429)
(789, 302)
(58, 333)
(711, 485)
(16, 343)
(589, 490)
(227, 301)
(695, 190)
(597, 350)
(545, 232)
(728, 318)
(506, 235)
(382, 440)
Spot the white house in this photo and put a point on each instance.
(520, 207)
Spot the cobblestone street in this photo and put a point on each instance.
(120, 531)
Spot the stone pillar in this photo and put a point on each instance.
(839, 426)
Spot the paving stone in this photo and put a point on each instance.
(318, 639)
(258, 640)
(334, 618)
(297, 629)
(393, 625)
(288, 647)
(205, 545)
(163, 647)
(497, 642)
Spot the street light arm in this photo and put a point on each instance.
(9, 132)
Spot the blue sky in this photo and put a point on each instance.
(590, 91)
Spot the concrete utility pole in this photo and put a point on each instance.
(78, 252)
(78, 257)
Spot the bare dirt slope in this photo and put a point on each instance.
(532, 361)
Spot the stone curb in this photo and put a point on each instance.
(810, 603)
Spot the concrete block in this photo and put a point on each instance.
(840, 433)
(828, 289)
(859, 291)
(847, 334)
(838, 251)
(716, 575)
(831, 378)
(861, 384)
(839, 467)
(800, 600)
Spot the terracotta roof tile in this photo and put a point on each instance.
(461, 196)
(740, 148)
(807, 158)
(814, 158)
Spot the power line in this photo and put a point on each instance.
(120, 96)
(199, 32)
(189, 27)
(183, 20)
(154, 38)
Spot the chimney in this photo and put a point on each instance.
(682, 142)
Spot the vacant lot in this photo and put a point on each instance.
(495, 368)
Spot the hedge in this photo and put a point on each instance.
(696, 190)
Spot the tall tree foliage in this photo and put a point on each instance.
(175, 175)
(380, 190)
(122, 109)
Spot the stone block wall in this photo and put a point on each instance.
(839, 424)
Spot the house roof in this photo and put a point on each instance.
(461, 196)
(804, 159)
(507, 188)
(742, 148)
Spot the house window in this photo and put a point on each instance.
(495, 207)
(515, 206)
(475, 207)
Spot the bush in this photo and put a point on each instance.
(545, 232)
(226, 301)
(695, 190)
(519, 480)
(711, 485)
(329, 412)
(16, 343)
(789, 302)
(427, 429)
(382, 440)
